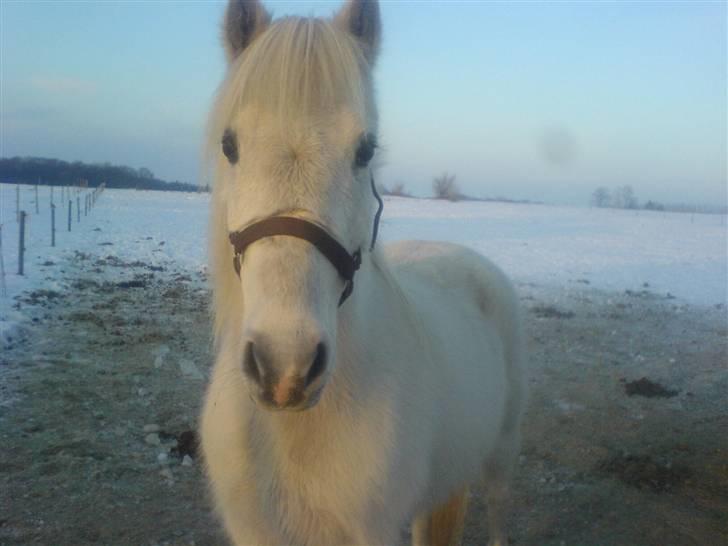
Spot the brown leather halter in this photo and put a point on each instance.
(346, 264)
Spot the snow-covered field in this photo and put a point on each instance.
(680, 254)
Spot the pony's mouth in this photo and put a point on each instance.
(307, 402)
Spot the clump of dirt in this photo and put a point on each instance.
(85, 316)
(174, 292)
(115, 261)
(650, 389)
(643, 472)
(187, 444)
(152, 336)
(136, 283)
(646, 294)
(112, 261)
(40, 296)
(550, 311)
(85, 284)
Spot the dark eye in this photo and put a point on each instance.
(230, 146)
(365, 151)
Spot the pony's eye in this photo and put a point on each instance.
(230, 146)
(365, 151)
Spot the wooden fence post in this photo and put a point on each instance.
(78, 209)
(21, 245)
(3, 287)
(53, 224)
(70, 204)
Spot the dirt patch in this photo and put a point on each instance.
(41, 296)
(549, 311)
(136, 283)
(643, 472)
(85, 284)
(646, 294)
(650, 389)
(114, 261)
(85, 316)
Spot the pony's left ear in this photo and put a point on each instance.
(244, 21)
(361, 19)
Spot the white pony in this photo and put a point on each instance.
(341, 407)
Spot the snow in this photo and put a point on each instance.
(157, 228)
(613, 250)
(617, 250)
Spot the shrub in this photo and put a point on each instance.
(444, 187)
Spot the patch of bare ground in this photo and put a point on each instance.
(624, 440)
(100, 403)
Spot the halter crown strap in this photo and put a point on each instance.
(346, 264)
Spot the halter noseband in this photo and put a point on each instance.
(346, 264)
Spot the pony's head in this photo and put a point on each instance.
(291, 135)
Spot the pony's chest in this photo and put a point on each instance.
(319, 500)
(325, 486)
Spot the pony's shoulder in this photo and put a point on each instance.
(452, 267)
(439, 254)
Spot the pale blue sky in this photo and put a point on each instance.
(535, 100)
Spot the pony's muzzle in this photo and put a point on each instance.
(284, 385)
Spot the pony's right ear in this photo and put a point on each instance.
(244, 21)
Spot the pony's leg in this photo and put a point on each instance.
(443, 526)
(497, 472)
(497, 499)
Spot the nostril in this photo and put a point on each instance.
(250, 364)
(319, 364)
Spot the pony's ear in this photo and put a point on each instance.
(361, 18)
(244, 21)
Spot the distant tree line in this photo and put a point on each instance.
(55, 172)
(446, 187)
(623, 197)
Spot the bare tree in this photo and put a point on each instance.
(624, 198)
(653, 205)
(444, 187)
(397, 190)
(600, 197)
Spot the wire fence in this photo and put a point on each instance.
(34, 207)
